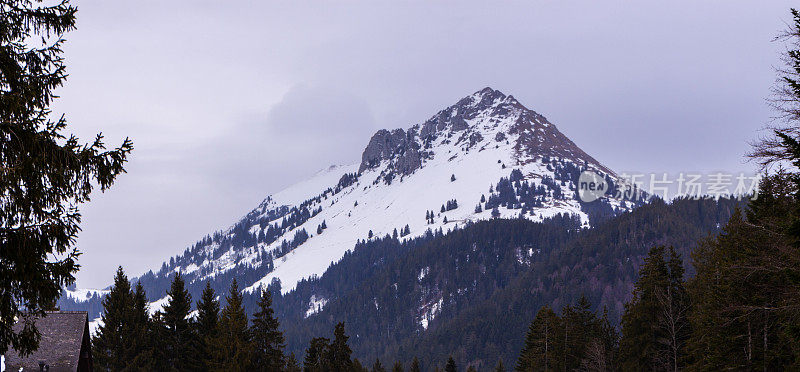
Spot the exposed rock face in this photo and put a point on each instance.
(533, 136)
(397, 146)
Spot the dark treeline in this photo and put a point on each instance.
(740, 311)
(212, 338)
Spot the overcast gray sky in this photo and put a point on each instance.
(229, 101)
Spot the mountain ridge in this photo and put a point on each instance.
(486, 156)
(536, 135)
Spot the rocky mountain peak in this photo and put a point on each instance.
(487, 114)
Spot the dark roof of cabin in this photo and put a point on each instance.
(62, 334)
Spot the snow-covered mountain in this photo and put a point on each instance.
(485, 156)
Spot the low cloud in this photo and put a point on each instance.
(310, 128)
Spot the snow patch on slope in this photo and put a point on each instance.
(315, 305)
(429, 312)
(83, 294)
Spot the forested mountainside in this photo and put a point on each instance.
(471, 293)
(351, 244)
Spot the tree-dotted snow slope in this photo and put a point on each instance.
(460, 154)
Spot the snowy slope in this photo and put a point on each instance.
(384, 207)
(460, 154)
(84, 294)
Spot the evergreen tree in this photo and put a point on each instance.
(415, 365)
(589, 341)
(576, 320)
(291, 364)
(499, 367)
(206, 323)
(378, 367)
(140, 345)
(655, 323)
(315, 360)
(358, 367)
(177, 341)
(673, 320)
(578, 340)
(744, 296)
(111, 342)
(771, 313)
(398, 367)
(46, 173)
(268, 341)
(541, 343)
(451, 365)
(232, 347)
(339, 352)
(601, 350)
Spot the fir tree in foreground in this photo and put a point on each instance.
(744, 295)
(655, 325)
(315, 359)
(207, 323)
(541, 343)
(451, 365)
(268, 341)
(358, 367)
(177, 342)
(291, 364)
(140, 345)
(747, 289)
(111, 342)
(46, 173)
(378, 367)
(578, 340)
(124, 341)
(232, 350)
(415, 367)
(339, 352)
